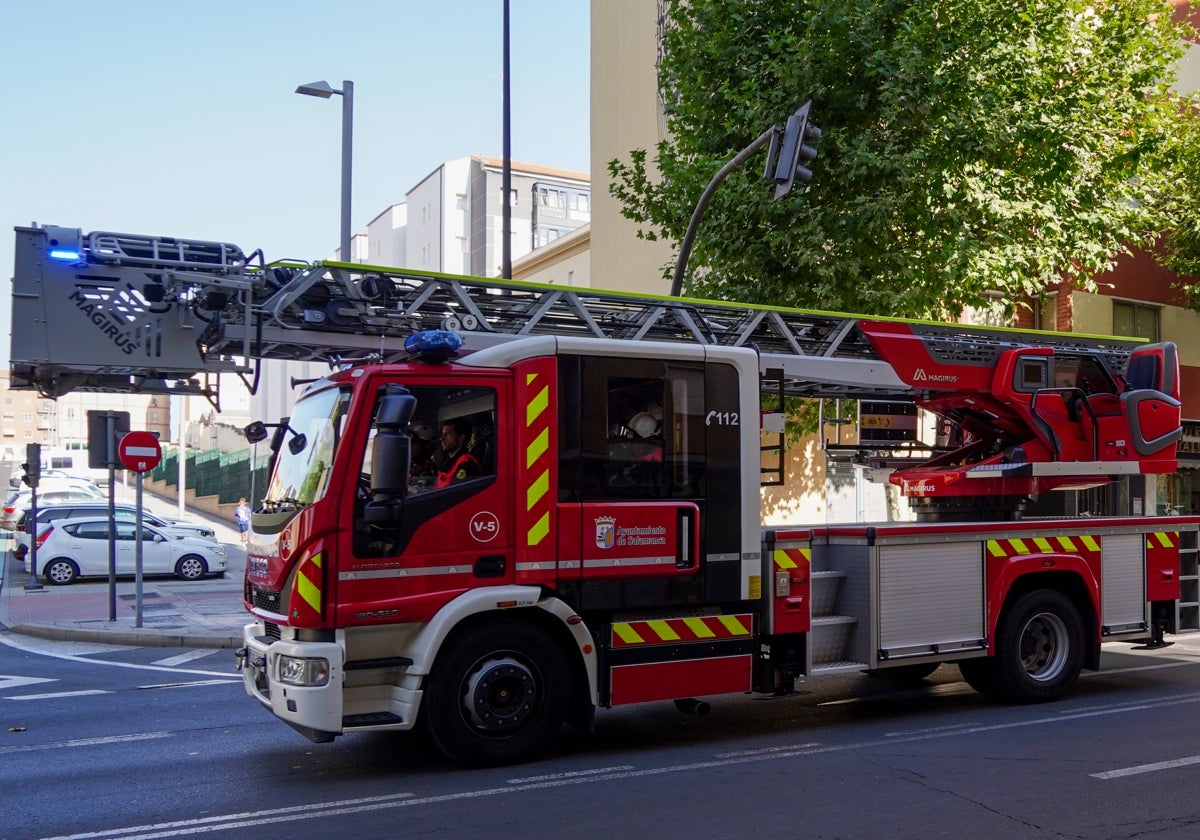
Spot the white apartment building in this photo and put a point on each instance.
(451, 221)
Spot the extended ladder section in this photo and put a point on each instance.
(1032, 411)
(118, 312)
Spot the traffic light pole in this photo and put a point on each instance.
(685, 250)
(33, 472)
(783, 167)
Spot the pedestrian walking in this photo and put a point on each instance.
(241, 515)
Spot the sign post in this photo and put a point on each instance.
(104, 428)
(139, 452)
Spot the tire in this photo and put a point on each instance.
(980, 674)
(60, 571)
(497, 696)
(904, 673)
(191, 567)
(1039, 648)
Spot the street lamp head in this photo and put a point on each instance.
(321, 89)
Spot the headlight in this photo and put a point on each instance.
(217, 550)
(296, 671)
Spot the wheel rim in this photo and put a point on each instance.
(1045, 647)
(500, 695)
(60, 572)
(191, 568)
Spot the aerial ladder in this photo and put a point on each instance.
(1027, 411)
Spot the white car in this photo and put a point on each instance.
(92, 508)
(72, 548)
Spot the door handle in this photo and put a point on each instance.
(490, 565)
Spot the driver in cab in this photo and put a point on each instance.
(459, 463)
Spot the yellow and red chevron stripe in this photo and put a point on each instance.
(1017, 547)
(667, 631)
(1162, 539)
(307, 588)
(536, 465)
(792, 558)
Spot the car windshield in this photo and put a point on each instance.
(301, 476)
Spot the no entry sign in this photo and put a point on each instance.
(139, 451)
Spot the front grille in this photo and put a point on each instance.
(269, 601)
(272, 630)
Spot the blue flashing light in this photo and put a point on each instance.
(433, 344)
(65, 255)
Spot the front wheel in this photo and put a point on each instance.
(61, 571)
(191, 567)
(498, 696)
(1039, 648)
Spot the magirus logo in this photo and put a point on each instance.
(919, 375)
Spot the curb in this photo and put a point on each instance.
(138, 638)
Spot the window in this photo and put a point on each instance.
(453, 443)
(1135, 320)
(636, 432)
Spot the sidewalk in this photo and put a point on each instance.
(175, 613)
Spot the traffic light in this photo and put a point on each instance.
(33, 464)
(794, 150)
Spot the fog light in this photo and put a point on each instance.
(309, 672)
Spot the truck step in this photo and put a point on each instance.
(371, 719)
(829, 638)
(825, 588)
(835, 667)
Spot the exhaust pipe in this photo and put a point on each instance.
(692, 706)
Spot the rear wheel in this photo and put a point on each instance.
(191, 567)
(60, 571)
(498, 696)
(1039, 647)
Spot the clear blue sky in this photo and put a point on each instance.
(179, 118)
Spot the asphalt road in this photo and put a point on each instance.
(108, 742)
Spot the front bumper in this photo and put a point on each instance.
(355, 700)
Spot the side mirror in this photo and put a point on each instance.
(256, 432)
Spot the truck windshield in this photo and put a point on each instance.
(301, 477)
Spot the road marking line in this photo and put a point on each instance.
(57, 695)
(7, 682)
(184, 657)
(86, 742)
(1147, 768)
(188, 684)
(568, 775)
(33, 645)
(356, 806)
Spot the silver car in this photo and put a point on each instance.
(73, 548)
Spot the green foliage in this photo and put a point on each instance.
(1181, 204)
(969, 147)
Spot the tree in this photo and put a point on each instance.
(969, 147)
(1181, 205)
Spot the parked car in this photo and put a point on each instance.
(15, 481)
(93, 508)
(18, 503)
(75, 548)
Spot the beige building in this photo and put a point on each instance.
(626, 114)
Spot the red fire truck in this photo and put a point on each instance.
(592, 536)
